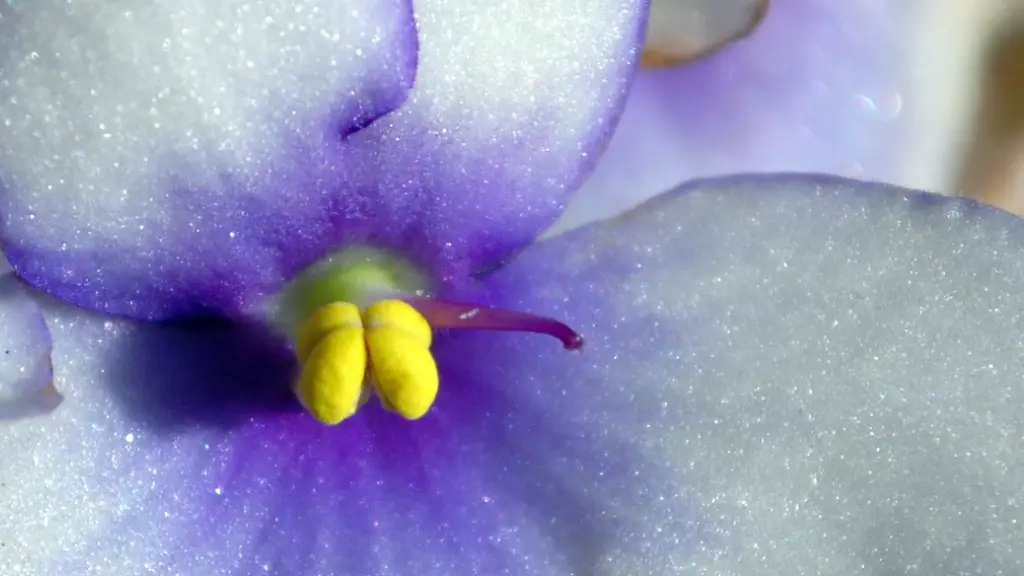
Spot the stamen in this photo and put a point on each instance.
(402, 367)
(332, 351)
(354, 337)
(455, 315)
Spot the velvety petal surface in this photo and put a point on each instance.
(783, 375)
(831, 368)
(173, 158)
(817, 86)
(181, 451)
(26, 374)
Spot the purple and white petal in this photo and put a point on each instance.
(138, 136)
(26, 375)
(170, 159)
(173, 425)
(823, 374)
(782, 375)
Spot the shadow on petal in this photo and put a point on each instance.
(530, 456)
(490, 479)
(207, 373)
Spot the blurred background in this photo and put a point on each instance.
(920, 93)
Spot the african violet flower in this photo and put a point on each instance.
(734, 411)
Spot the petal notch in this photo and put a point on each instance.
(162, 210)
(135, 133)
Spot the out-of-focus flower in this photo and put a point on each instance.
(915, 93)
(679, 31)
(807, 86)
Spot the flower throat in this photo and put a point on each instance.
(361, 323)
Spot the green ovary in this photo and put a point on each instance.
(359, 275)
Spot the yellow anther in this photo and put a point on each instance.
(401, 365)
(325, 320)
(338, 343)
(398, 314)
(332, 351)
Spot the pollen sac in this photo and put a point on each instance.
(327, 319)
(333, 353)
(401, 366)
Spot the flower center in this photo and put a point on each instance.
(347, 353)
(362, 326)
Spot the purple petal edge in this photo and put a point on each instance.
(132, 273)
(426, 181)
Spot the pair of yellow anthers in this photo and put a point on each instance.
(347, 353)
